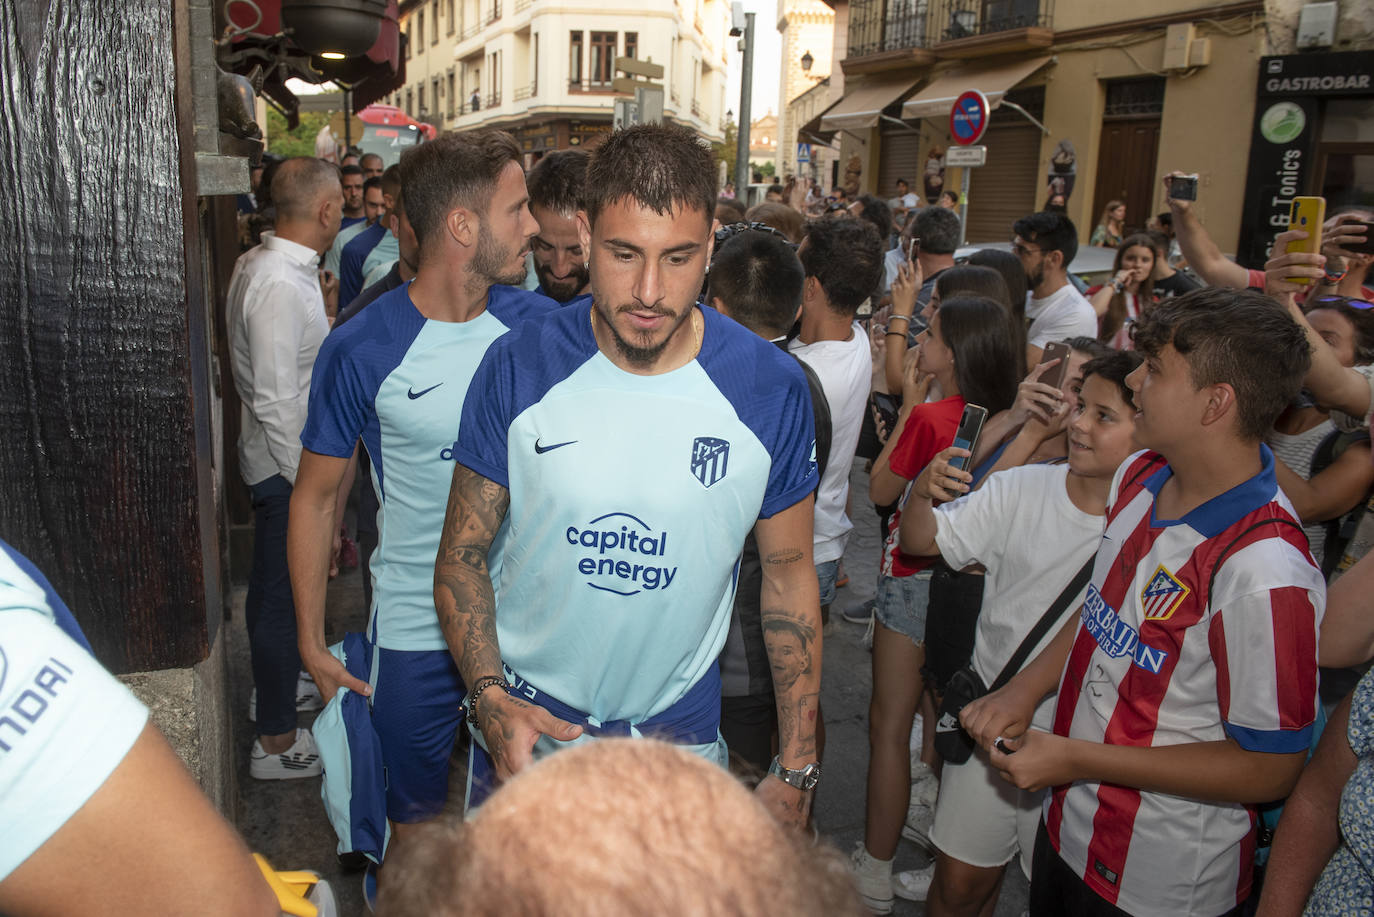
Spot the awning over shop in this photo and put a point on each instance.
(935, 100)
(812, 132)
(863, 105)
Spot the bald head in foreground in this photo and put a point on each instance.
(617, 827)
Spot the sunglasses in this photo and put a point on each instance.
(1336, 300)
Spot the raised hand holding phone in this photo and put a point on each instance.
(966, 436)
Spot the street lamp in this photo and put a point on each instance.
(806, 61)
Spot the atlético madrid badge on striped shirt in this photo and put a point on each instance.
(1161, 595)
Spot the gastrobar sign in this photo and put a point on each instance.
(1284, 137)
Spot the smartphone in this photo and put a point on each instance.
(913, 249)
(1183, 187)
(1060, 351)
(966, 436)
(1367, 246)
(1307, 214)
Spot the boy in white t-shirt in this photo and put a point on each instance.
(1032, 527)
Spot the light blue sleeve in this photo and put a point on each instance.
(65, 725)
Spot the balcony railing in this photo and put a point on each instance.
(876, 26)
(471, 31)
(522, 5)
(697, 109)
(589, 86)
(525, 92)
(493, 99)
(494, 13)
(951, 20)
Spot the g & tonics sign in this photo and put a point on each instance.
(1284, 139)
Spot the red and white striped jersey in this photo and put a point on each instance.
(1193, 630)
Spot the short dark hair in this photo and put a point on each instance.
(972, 280)
(1158, 241)
(1013, 275)
(1053, 232)
(1237, 337)
(878, 213)
(1115, 366)
(952, 195)
(373, 182)
(658, 166)
(1091, 346)
(757, 276)
(938, 230)
(454, 170)
(391, 181)
(846, 256)
(350, 170)
(366, 156)
(978, 333)
(902, 181)
(1165, 219)
(775, 188)
(558, 182)
(736, 210)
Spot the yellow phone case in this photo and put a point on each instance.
(1307, 214)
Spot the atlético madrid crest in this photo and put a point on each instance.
(710, 456)
(1162, 595)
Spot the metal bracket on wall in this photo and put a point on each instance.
(1027, 115)
(899, 121)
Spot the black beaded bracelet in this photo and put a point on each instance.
(486, 681)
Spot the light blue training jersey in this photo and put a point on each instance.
(397, 380)
(65, 722)
(630, 498)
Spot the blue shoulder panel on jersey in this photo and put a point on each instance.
(547, 352)
(771, 397)
(61, 614)
(352, 363)
(352, 258)
(512, 305)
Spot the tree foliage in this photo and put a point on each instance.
(301, 141)
(726, 149)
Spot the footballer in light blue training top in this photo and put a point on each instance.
(625, 447)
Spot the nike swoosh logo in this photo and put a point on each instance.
(542, 449)
(412, 394)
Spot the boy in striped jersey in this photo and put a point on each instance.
(1188, 686)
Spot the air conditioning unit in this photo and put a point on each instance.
(1317, 26)
(1178, 40)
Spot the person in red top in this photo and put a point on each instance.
(967, 355)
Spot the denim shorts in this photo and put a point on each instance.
(902, 604)
(827, 572)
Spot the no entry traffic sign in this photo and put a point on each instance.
(969, 117)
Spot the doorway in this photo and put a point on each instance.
(1128, 150)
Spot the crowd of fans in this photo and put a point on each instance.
(1107, 612)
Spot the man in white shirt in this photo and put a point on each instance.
(843, 260)
(1046, 244)
(276, 323)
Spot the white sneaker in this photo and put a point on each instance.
(302, 759)
(913, 884)
(308, 697)
(920, 812)
(873, 879)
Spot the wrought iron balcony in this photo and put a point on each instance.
(878, 26)
(524, 92)
(951, 20)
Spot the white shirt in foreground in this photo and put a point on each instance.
(276, 323)
(1062, 314)
(844, 368)
(1023, 527)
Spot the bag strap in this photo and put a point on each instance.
(1042, 627)
(1056, 609)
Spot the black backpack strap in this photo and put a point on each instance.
(1042, 627)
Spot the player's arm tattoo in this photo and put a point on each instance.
(463, 593)
(793, 651)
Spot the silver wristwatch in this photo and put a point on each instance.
(804, 778)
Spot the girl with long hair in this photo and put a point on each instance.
(1111, 227)
(968, 352)
(1130, 292)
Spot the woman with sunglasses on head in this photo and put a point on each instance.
(1129, 293)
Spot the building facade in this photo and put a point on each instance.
(543, 70)
(1090, 102)
(807, 29)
